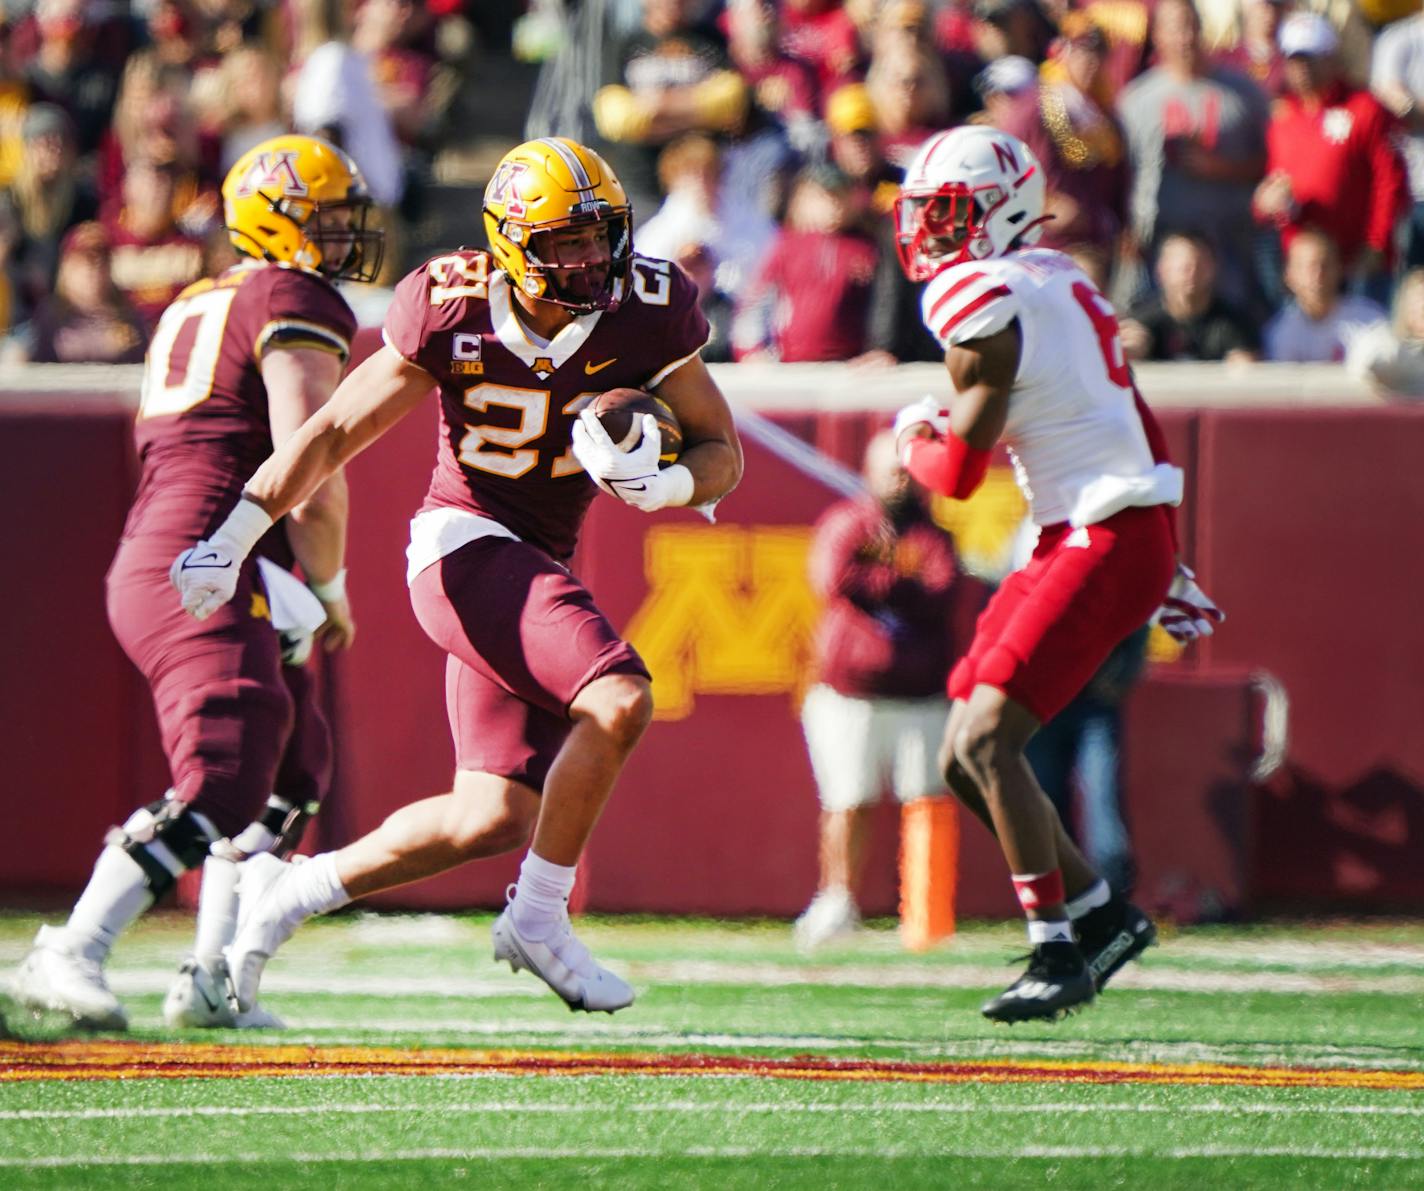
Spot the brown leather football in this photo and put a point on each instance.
(621, 413)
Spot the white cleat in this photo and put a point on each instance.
(198, 1001)
(261, 927)
(832, 914)
(564, 964)
(58, 977)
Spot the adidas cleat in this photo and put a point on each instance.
(57, 977)
(1111, 936)
(1057, 983)
(564, 964)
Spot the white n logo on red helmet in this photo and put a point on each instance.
(273, 171)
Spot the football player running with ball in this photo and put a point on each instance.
(236, 365)
(1033, 354)
(545, 700)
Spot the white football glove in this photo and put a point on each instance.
(633, 476)
(206, 576)
(1187, 613)
(924, 412)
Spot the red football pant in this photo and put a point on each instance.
(1051, 625)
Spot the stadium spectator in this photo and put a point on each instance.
(855, 151)
(1077, 758)
(388, 33)
(336, 98)
(1196, 144)
(1000, 84)
(46, 199)
(86, 320)
(153, 257)
(909, 90)
(1186, 319)
(64, 60)
(699, 262)
(1391, 356)
(694, 214)
(811, 299)
(1257, 51)
(13, 308)
(672, 76)
(172, 35)
(1397, 78)
(1330, 160)
(781, 86)
(1320, 323)
(1021, 27)
(884, 644)
(822, 34)
(249, 102)
(1068, 121)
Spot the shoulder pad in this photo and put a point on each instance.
(969, 301)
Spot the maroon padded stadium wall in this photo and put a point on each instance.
(1305, 525)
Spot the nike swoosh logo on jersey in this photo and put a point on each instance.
(627, 487)
(590, 368)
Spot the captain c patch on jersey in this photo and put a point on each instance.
(465, 355)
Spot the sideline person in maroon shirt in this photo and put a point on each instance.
(884, 647)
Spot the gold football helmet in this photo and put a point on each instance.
(540, 189)
(303, 201)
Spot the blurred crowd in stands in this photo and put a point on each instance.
(1244, 178)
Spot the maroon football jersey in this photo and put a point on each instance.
(508, 404)
(203, 425)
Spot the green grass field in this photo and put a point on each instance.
(1230, 1058)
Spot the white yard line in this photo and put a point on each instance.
(774, 1107)
(288, 977)
(545, 1155)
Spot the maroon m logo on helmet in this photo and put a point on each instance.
(1008, 161)
(273, 171)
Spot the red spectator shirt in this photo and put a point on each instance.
(507, 404)
(1347, 179)
(888, 629)
(821, 282)
(825, 41)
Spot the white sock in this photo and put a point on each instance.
(1095, 895)
(313, 888)
(117, 893)
(541, 898)
(217, 910)
(1041, 931)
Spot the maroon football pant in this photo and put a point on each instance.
(236, 724)
(524, 638)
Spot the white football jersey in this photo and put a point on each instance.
(1079, 449)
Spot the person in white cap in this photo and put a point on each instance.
(1331, 162)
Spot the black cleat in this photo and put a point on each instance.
(1057, 983)
(1112, 935)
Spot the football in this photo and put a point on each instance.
(621, 412)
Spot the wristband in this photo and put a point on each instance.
(676, 484)
(333, 590)
(242, 530)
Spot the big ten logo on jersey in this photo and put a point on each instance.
(273, 172)
(729, 611)
(465, 350)
(503, 190)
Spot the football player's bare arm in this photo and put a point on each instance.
(299, 381)
(712, 451)
(374, 397)
(949, 453)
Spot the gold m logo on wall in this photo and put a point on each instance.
(729, 611)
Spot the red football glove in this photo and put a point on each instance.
(1187, 613)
